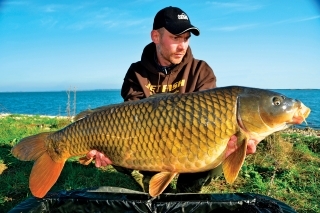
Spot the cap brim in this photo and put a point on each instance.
(195, 31)
(182, 28)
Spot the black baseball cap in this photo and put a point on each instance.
(175, 20)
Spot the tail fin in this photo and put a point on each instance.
(44, 174)
(45, 171)
(30, 148)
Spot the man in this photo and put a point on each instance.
(167, 65)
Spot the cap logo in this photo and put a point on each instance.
(183, 16)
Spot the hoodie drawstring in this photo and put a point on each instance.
(158, 86)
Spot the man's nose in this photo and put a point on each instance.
(183, 45)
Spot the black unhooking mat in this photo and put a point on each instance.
(114, 199)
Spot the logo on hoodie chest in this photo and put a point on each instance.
(165, 88)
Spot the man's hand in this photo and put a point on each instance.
(99, 158)
(233, 146)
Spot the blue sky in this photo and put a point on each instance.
(57, 45)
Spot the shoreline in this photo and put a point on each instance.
(2, 115)
(308, 131)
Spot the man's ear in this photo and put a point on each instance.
(155, 36)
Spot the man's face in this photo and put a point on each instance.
(171, 48)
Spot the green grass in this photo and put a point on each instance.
(15, 173)
(285, 167)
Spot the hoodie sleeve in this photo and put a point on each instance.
(131, 87)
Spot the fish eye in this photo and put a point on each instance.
(276, 101)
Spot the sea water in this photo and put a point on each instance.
(56, 103)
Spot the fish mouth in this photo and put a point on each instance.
(300, 115)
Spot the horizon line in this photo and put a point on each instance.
(88, 90)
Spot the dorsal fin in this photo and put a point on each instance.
(82, 114)
(159, 95)
(90, 111)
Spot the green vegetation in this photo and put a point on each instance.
(285, 167)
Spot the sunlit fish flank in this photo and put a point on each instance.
(168, 134)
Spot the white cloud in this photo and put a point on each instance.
(295, 20)
(234, 28)
(239, 6)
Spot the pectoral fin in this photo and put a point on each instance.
(159, 182)
(232, 164)
(85, 160)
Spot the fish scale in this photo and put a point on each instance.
(167, 133)
(168, 136)
(159, 132)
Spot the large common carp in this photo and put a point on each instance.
(169, 134)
